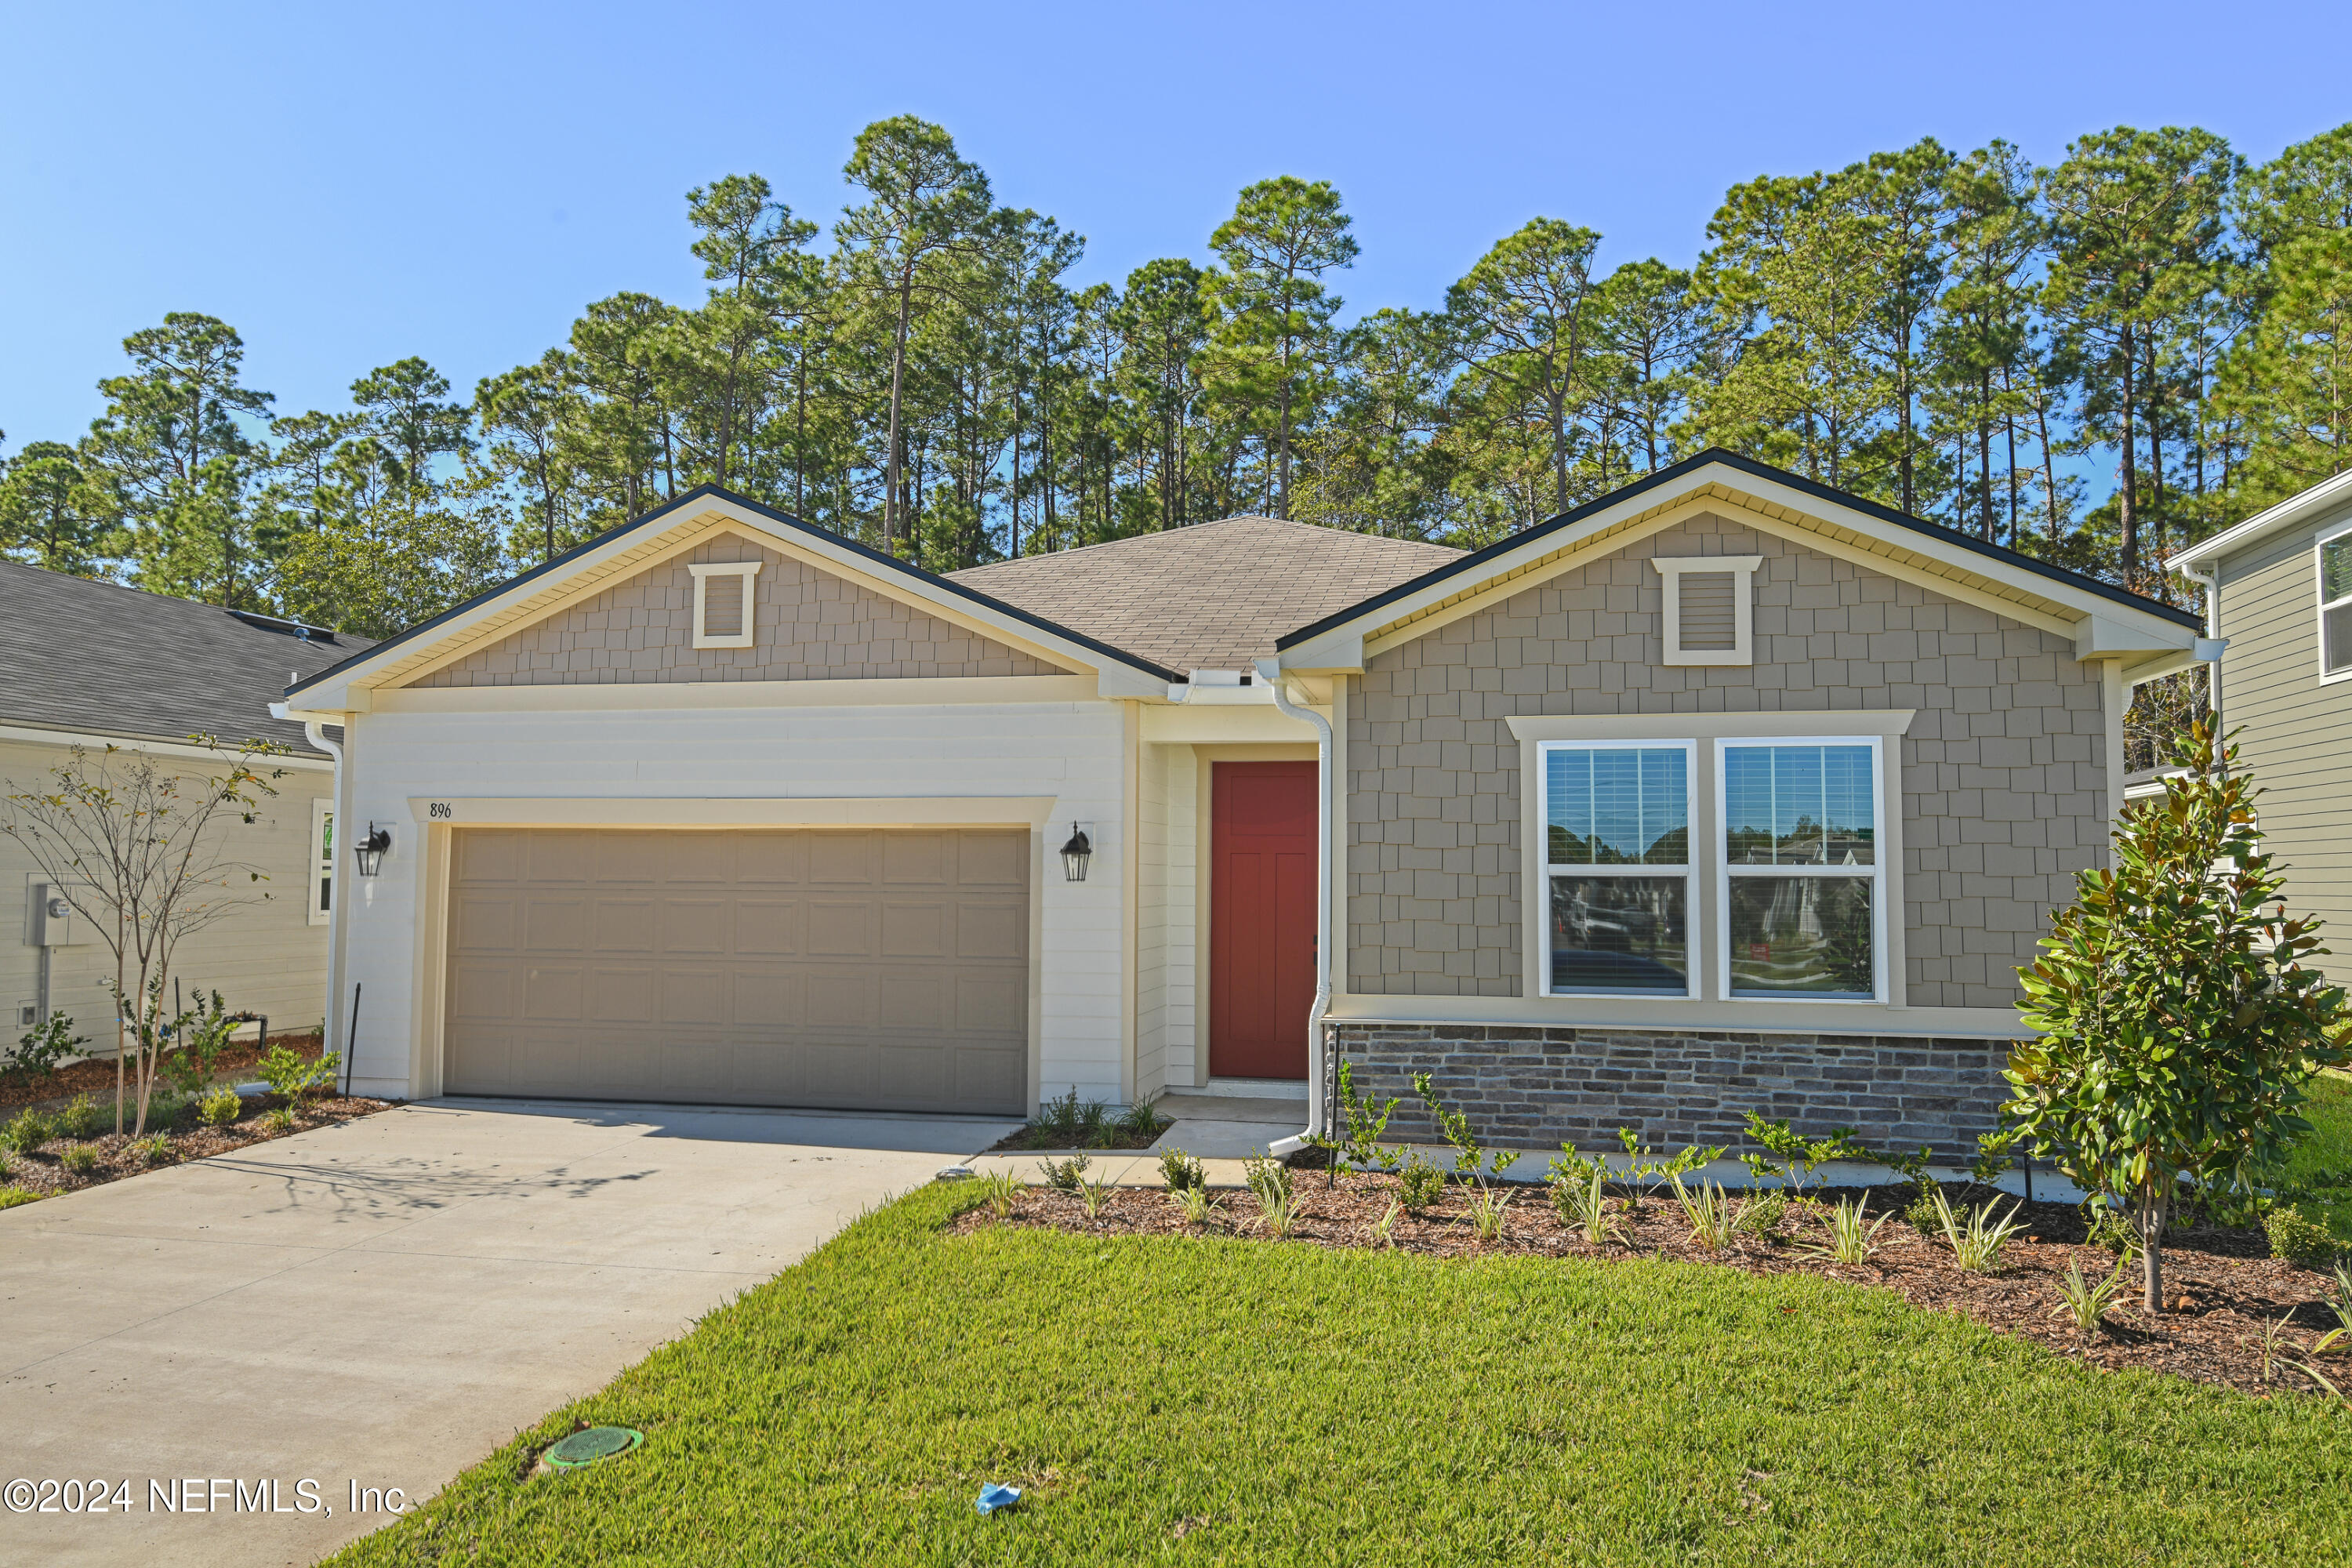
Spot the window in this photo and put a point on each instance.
(1618, 870)
(2336, 605)
(1709, 607)
(1802, 897)
(323, 859)
(723, 603)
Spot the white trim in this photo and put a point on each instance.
(1881, 891)
(638, 696)
(665, 811)
(322, 862)
(1742, 569)
(2319, 590)
(2294, 509)
(39, 737)
(743, 571)
(1546, 869)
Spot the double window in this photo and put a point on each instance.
(1788, 843)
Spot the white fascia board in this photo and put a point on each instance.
(2327, 493)
(1337, 652)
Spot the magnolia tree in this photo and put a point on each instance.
(2178, 1024)
(142, 851)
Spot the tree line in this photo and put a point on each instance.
(1961, 336)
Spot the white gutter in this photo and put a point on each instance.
(1269, 675)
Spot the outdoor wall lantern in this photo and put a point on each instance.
(369, 851)
(1076, 853)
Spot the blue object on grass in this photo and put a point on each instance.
(996, 1496)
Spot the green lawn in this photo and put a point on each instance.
(2328, 1151)
(1191, 1401)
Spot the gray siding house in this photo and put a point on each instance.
(1726, 790)
(2279, 588)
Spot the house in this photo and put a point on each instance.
(1724, 790)
(92, 664)
(2278, 588)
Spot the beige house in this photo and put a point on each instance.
(1724, 790)
(2278, 587)
(93, 664)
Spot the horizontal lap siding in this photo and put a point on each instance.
(2295, 731)
(2003, 788)
(262, 954)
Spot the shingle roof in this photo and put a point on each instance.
(1214, 595)
(100, 658)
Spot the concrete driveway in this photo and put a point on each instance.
(381, 1304)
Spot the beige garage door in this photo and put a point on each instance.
(879, 970)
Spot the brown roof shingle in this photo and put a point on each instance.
(1214, 595)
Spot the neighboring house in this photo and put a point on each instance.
(1724, 790)
(97, 664)
(2279, 588)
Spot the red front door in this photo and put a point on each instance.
(1261, 918)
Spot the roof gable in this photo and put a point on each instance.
(581, 574)
(1954, 563)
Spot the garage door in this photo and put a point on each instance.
(873, 969)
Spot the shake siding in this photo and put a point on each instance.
(810, 625)
(263, 956)
(2003, 787)
(2294, 732)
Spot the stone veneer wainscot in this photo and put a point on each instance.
(1540, 1087)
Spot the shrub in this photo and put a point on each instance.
(1487, 1206)
(81, 1159)
(1763, 1214)
(1709, 1213)
(1420, 1183)
(1647, 1172)
(1384, 1228)
(1065, 1175)
(156, 1149)
(1584, 1206)
(1791, 1156)
(292, 1075)
(1472, 1160)
(1366, 1125)
(1976, 1246)
(1142, 1120)
(1853, 1234)
(1059, 1119)
(28, 1131)
(1269, 1179)
(1199, 1208)
(1094, 1194)
(85, 1118)
(201, 1036)
(2176, 1014)
(15, 1196)
(1179, 1171)
(220, 1107)
(2298, 1238)
(998, 1189)
(2105, 1227)
(1920, 1213)
(279, 1121)
(40, 1048)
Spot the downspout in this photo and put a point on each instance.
(2210, 649)
(315, 731)
(1270, 674)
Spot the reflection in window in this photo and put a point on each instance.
(1800, 853)
(1617, 830)
(2336, 605)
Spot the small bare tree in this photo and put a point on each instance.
(141, 850)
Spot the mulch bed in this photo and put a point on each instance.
(44, 1171)
(2222, 1289)
(95, 1076)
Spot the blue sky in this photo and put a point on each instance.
(348, 185)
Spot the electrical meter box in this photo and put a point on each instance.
(49, 921)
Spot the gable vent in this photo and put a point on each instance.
(723, 604)
(1708, 608)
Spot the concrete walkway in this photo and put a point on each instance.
(386, 1301)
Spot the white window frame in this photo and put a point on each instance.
(322, 862)
(1694, 931)
(2319, 591)
(1881, 885)
(1743, 606)
(703, 572)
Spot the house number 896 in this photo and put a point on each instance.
(440, 808)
